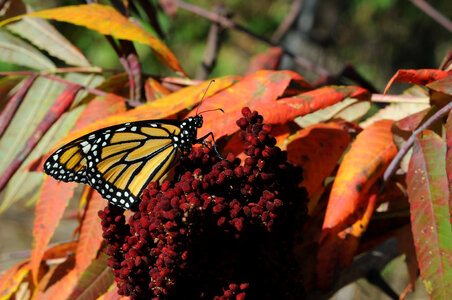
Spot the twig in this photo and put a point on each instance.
(433, 13)
(232, 25)
(287, 23)
(212, 47)
(395, 162)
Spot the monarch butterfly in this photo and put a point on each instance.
(120, 161)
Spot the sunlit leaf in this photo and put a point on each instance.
(52, 202)
(420, 77)
(46, 37)
(370, 154)
(90, 237)
(330, 142)
(265, 61)
(11, 279)
(106, 20)
(159, 109)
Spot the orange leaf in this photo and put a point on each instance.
(52, 202)
(107, 21)
(62, 288)
(369, 156)
(330, 142)
(263, 87)
(11, 279)
(90, 238)
(154, 90)
(60, 250)
(158, 109)
(420, 77)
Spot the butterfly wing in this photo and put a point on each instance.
(118, 161)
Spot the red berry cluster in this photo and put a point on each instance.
(221, 222)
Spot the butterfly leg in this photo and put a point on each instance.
(202, 141)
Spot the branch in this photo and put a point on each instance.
(395, 162)
(433, 13)
(225, 22)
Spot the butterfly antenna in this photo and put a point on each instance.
(212, 110)
(205, 92)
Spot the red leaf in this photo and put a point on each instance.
(265, 61)
(61, 104)
(428, 193)
(420, 77)
(443, 85)
(330, 142)
(262, 87)
(308, 102)
(52, 202)
(369, 156)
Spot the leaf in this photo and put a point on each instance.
(330, 142)
(62, 288)
(52, 202)
(90, 238)
(399, 110)
(405, 243)
(154, 90)
(94, 281)
(53, 276)
(60, 250)
(265, 61)
(11, 279)
(443, 85)
(7, 83)
(262, 87)
(16, 51)
(14, 103)
(428, 193)
(369, 156)
(57, 109)
(448, 129)
(419, 77)
(36, 104)
(338, 250)
(107, 21)
(46, 37)
(159, 109)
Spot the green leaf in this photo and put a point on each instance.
(428, 193)
(16, 51)
(43, 35)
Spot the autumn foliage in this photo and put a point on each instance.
(310, 183)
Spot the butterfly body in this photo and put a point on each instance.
(120, 161)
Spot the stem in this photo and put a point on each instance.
(433, 13)
(395, 162)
